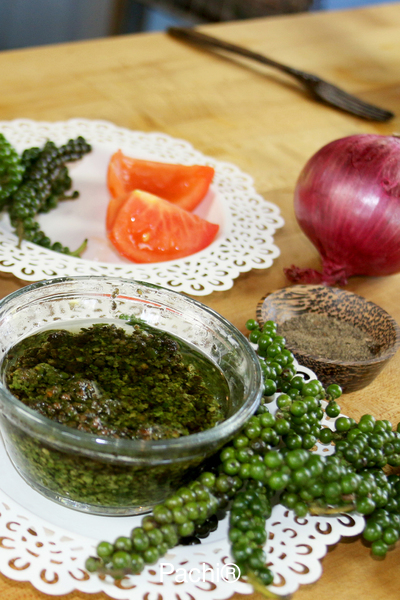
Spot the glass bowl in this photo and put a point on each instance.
(109, 476)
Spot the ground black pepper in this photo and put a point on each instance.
(328, 337)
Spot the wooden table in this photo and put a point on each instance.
(263, 122)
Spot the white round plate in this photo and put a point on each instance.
(47, 544)
(247, 221)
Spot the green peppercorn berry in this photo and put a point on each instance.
(267, 420)
(260, 535)
(241, 552)
(334, 391)
(333, 491)
(186, 494)
(273, 459)
(349, 483)
(325, 435)
(139, 539)
(289, 499)
(207, 479)
(180, 515)
(155, 537)
(105, 549)
(301, 476)
(222, 483)
(284, 401)
(137, 563)
(227, 453)
(234, 534)
(282, 426)
(372, 531)
(379, 548)
(123, 543)
(270, 327)
(270, 387)
(264, 341)
(278, 480)
(301, 509)
(241, 441)
(390, 535)
(192, 511)
(252, 430)
(251, 324)
(342, 424)
(298, 408)
(315, 464)
(186, 529)
(231, 467)
(257, 559)
(92, 564)
(151, 555)
(245, 471)
(121, 560)
(254, 336)
(312, 402)
(170, 535)
(332, 409)
(309, 441)
(293, 441)
(162, 514)
(257, 472)
(204, 508)
(312, 388)
(365, 505)
(264, 574)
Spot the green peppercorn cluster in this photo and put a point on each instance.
(11, 170)
(35, 183)
(368, 447)
(272, 457)
(175, 518)
(247, 533)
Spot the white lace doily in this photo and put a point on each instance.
(47, 545)
(247, 221)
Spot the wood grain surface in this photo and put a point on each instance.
(266, 124)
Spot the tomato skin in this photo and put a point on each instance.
(150, 229)
(183, 185)
(112, 210)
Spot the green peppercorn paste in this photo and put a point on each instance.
(139, 383)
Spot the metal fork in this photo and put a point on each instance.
(319, 88)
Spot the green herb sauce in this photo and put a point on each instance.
(136, 384)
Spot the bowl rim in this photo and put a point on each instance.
(88, 443)
(389, 353)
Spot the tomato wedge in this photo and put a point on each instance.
(183, 185)
(150, 229)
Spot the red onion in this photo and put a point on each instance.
(347, 202)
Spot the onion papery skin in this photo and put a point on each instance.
(347, 202)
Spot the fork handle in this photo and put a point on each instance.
(192, 35)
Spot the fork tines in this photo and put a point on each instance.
(341, 99)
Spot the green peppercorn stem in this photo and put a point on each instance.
(272, 457)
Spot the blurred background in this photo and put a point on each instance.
(38, 22)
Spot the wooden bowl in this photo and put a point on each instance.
(284, 304)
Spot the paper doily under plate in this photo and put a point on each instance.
(47, 545)
(247, 221)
